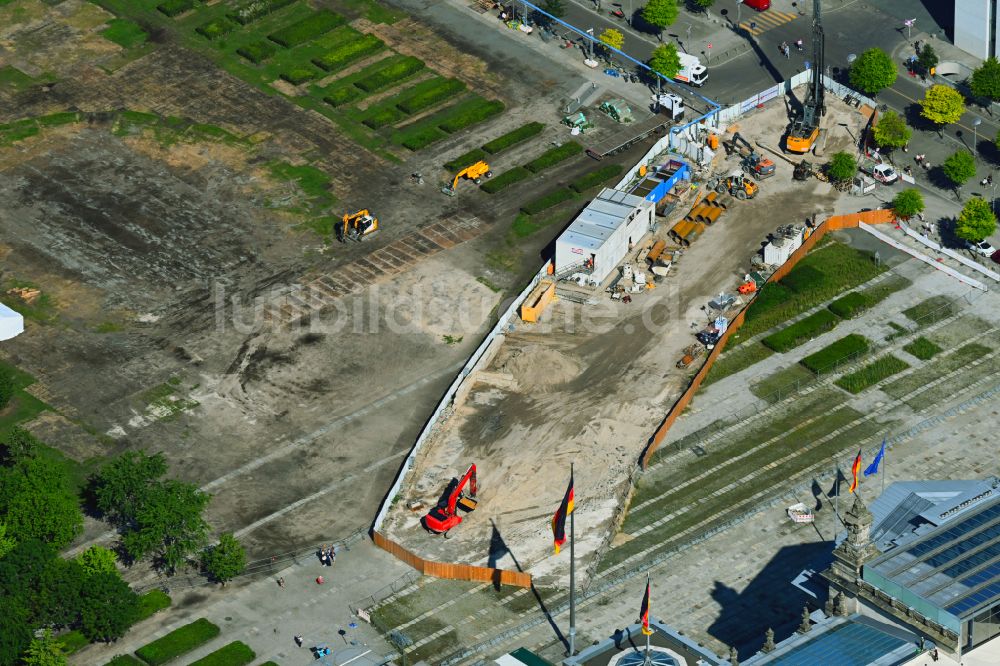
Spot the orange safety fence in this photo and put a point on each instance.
(452, 571)
(834, 223)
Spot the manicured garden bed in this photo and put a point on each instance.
(175, 7)
(426, 94)
(125, 33)
(922, 348)
(505, 180)
(417, 138)
(257, 52)
(801, 331)
(179, 641)
(216, 28)
(465, 159)
(390, 74)
(554, 156)
(834, 355)
(319, 23)
(931, 310)
(871, 374)
(469, 112)
(236, 653)
(511, 139)
(299, 75)
(547, 201)
(854, 303)
(383, 115)
(596, 177)
(348, 52)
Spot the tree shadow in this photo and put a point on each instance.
(913, 118)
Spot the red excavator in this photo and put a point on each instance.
(445, 516)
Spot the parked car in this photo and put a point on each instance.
(995, 257)
(982, 248)
(759, 5)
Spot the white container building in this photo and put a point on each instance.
(11, 323)
(600, 237)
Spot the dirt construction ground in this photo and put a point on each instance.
(588, 386)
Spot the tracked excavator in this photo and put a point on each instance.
(474, 173)
(753, 161)
(356, 226)
(804, 130)
(444, 516)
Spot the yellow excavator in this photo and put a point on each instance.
(356, 226)
(474, 173)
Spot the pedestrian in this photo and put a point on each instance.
(333, 555)
(989, 179)
(298, 640)
(322, 554)
(983, 182)
(281, 583)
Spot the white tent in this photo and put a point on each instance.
(11, 323)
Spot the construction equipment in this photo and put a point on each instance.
(752, 161)
(445, 516)
(691, 354)
(474, 173)
(804, 131)
(619, 110)
(736, 184)
(356, 226)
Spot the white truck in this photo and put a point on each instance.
(692, 72)
(672, 104)
(880, 171)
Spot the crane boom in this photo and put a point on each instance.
(805, 130)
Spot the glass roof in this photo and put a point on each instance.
(849, 644)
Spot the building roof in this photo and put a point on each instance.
(853, 641)
(629, 642)
(522, 657)
(608, 211)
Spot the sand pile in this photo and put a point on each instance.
(539, 368)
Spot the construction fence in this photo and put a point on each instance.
(730, 114)
(468, 572)
(831, 224)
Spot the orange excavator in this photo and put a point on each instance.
(474, 173)
(444, 516)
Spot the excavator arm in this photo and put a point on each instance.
(440, 519)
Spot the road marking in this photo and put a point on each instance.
(766, 21)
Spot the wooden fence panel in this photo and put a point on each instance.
(453, 571)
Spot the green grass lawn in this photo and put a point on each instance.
(236, 653)
(935, 369)
(931, 310)
(178, 642)
(922, 348)
(783, 383)
(835, 354)
(735, 359)
(23, 406)
(125, 33)
(871, 374)
(801, 331)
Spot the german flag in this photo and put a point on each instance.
(559, 520)
(644, 611)
(855, 468)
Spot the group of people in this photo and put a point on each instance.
(987, 181)
(786, 51)
(327, 556)
(921, 159)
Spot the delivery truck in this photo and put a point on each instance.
(692, 72)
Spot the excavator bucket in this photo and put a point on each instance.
(467, 504)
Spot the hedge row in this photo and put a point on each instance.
(547, 201)
(511, 139)
(257, 52)
(179, 641)
(506, 179)
(801, 332)
(318, 23)
(849, 346)
(871, 374)
(426, 94)
(596, 177)
(390, 74)
(124, 660)
(298, 75)
(249, 12)
(465, 160)
(348, 52)
(850, 305)
(236, 653)
(470, 112)
(382, 116)
(175, 7)
(216, 28)
(554, 156)
(420, 137)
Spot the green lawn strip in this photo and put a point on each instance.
(424, 598)
(596, 177)
(56, 119)
(931, 310)
(152, 602)
(823, 274)
(733, 499)
(466, 159)
(17, 131)
(343, 90)
(350, 50)
(956, 332)
(871, 374)
(299, 74)
(734, 360)
(23, 406)
(956, 386)
(801, 331)
(125, 660)
(469, 112)
(257, 52)
(527, 225)
(307, 29)
(835, 354)
(173, 8)
(512, 138)
(411, 100)
(236, 653)
(505, 180)
(935, 369)
(547, 201)
(922, 348)
(12, 77)
(216, 28)
(417, 138)
(783, 383)
(313, 183)
(125, 33)
(554, 156)
(791, 440)
(390, 74)
(178, 642)
(854, 303)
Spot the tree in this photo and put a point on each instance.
(613, 38)
(108, 607)
(555, 7)
(960, 167)
(873, 71)
(665, 60)
(45, 651)
(942, 105)
(976, 221)
(123, 485)
(168, 524)
(842, 167)
(225, 560)
(37, 501)
(6, 543)
(985, 81)
(56, 594)
(927, 58)
(7, 387)
(660, 14)
(891, 131)
(15, 632)
(702, 4)
(97, 559)
(20, 444)
(908, 203)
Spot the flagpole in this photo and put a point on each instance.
(836, 497)
(572, 576)
(885, 456)
(648, 633)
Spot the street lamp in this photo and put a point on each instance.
(739, 12)
(590, 43)
(975, 135)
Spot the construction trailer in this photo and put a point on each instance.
(601, 235)
(660, 180)
(11, 323)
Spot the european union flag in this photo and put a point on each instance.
(873, 468)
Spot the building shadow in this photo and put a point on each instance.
(769, 600)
